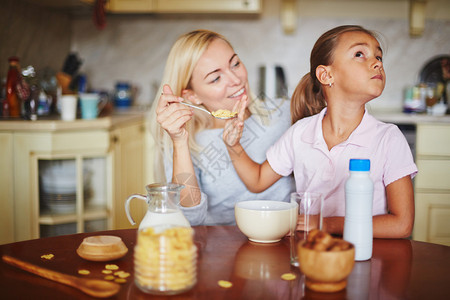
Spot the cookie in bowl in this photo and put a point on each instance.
(326, 261)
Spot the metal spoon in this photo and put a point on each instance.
(207, 111)
(93, 287)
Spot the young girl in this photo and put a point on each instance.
(331, 126)
(203, 69)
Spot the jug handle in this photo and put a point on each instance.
(127, 206)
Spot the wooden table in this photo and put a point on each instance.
(399, 269)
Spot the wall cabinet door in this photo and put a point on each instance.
(130, 6)
(185, 6)
(208, 6)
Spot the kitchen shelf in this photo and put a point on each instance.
(88, 215)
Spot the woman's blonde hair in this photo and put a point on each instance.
(182, 59)
(308, 98)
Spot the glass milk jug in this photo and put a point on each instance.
(162, 200)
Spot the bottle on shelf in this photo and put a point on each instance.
(17, 89)
(13, 105)
(358, 227)
(33, 102)
(43, 108)
(4, 103)
(122, 95)
(30, 105)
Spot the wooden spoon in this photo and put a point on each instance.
(93, 287)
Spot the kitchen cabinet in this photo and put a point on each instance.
(432, 184)
(130, 6)
(208, 6)
(69, 177)
(185, 6)
(128, 147)
(6, 189)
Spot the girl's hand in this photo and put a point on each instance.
(233, 129)
(173, 116)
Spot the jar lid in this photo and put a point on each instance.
(359, 164)
(102, 248)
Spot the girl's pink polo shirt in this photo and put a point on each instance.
(302, 150)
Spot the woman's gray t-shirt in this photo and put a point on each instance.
(220, 185)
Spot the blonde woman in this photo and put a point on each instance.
(203, 69)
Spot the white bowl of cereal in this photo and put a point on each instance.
(265, 221)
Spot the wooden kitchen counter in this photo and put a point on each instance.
(410, 118)
(53, 124)
(399, 269)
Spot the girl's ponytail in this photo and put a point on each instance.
(307, 99)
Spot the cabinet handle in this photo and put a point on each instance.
(115, 139)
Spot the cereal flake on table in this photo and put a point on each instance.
(112, 267)
(224, 284)
(120, 280)
(47, 256)
(122, 274)
(288, 276)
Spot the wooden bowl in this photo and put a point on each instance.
(326, 271)
(102, 248)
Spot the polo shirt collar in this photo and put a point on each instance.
(313, 132)
(361, 136)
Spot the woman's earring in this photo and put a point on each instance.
(330, 84)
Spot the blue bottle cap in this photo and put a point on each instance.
(359, 164)
(122, 85)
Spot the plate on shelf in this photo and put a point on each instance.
(59, 203)
(431, 72)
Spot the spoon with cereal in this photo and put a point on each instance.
(223, 114)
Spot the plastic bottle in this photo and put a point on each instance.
(122, 95)
(43, 108)
(358, 228)
(31, 103)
